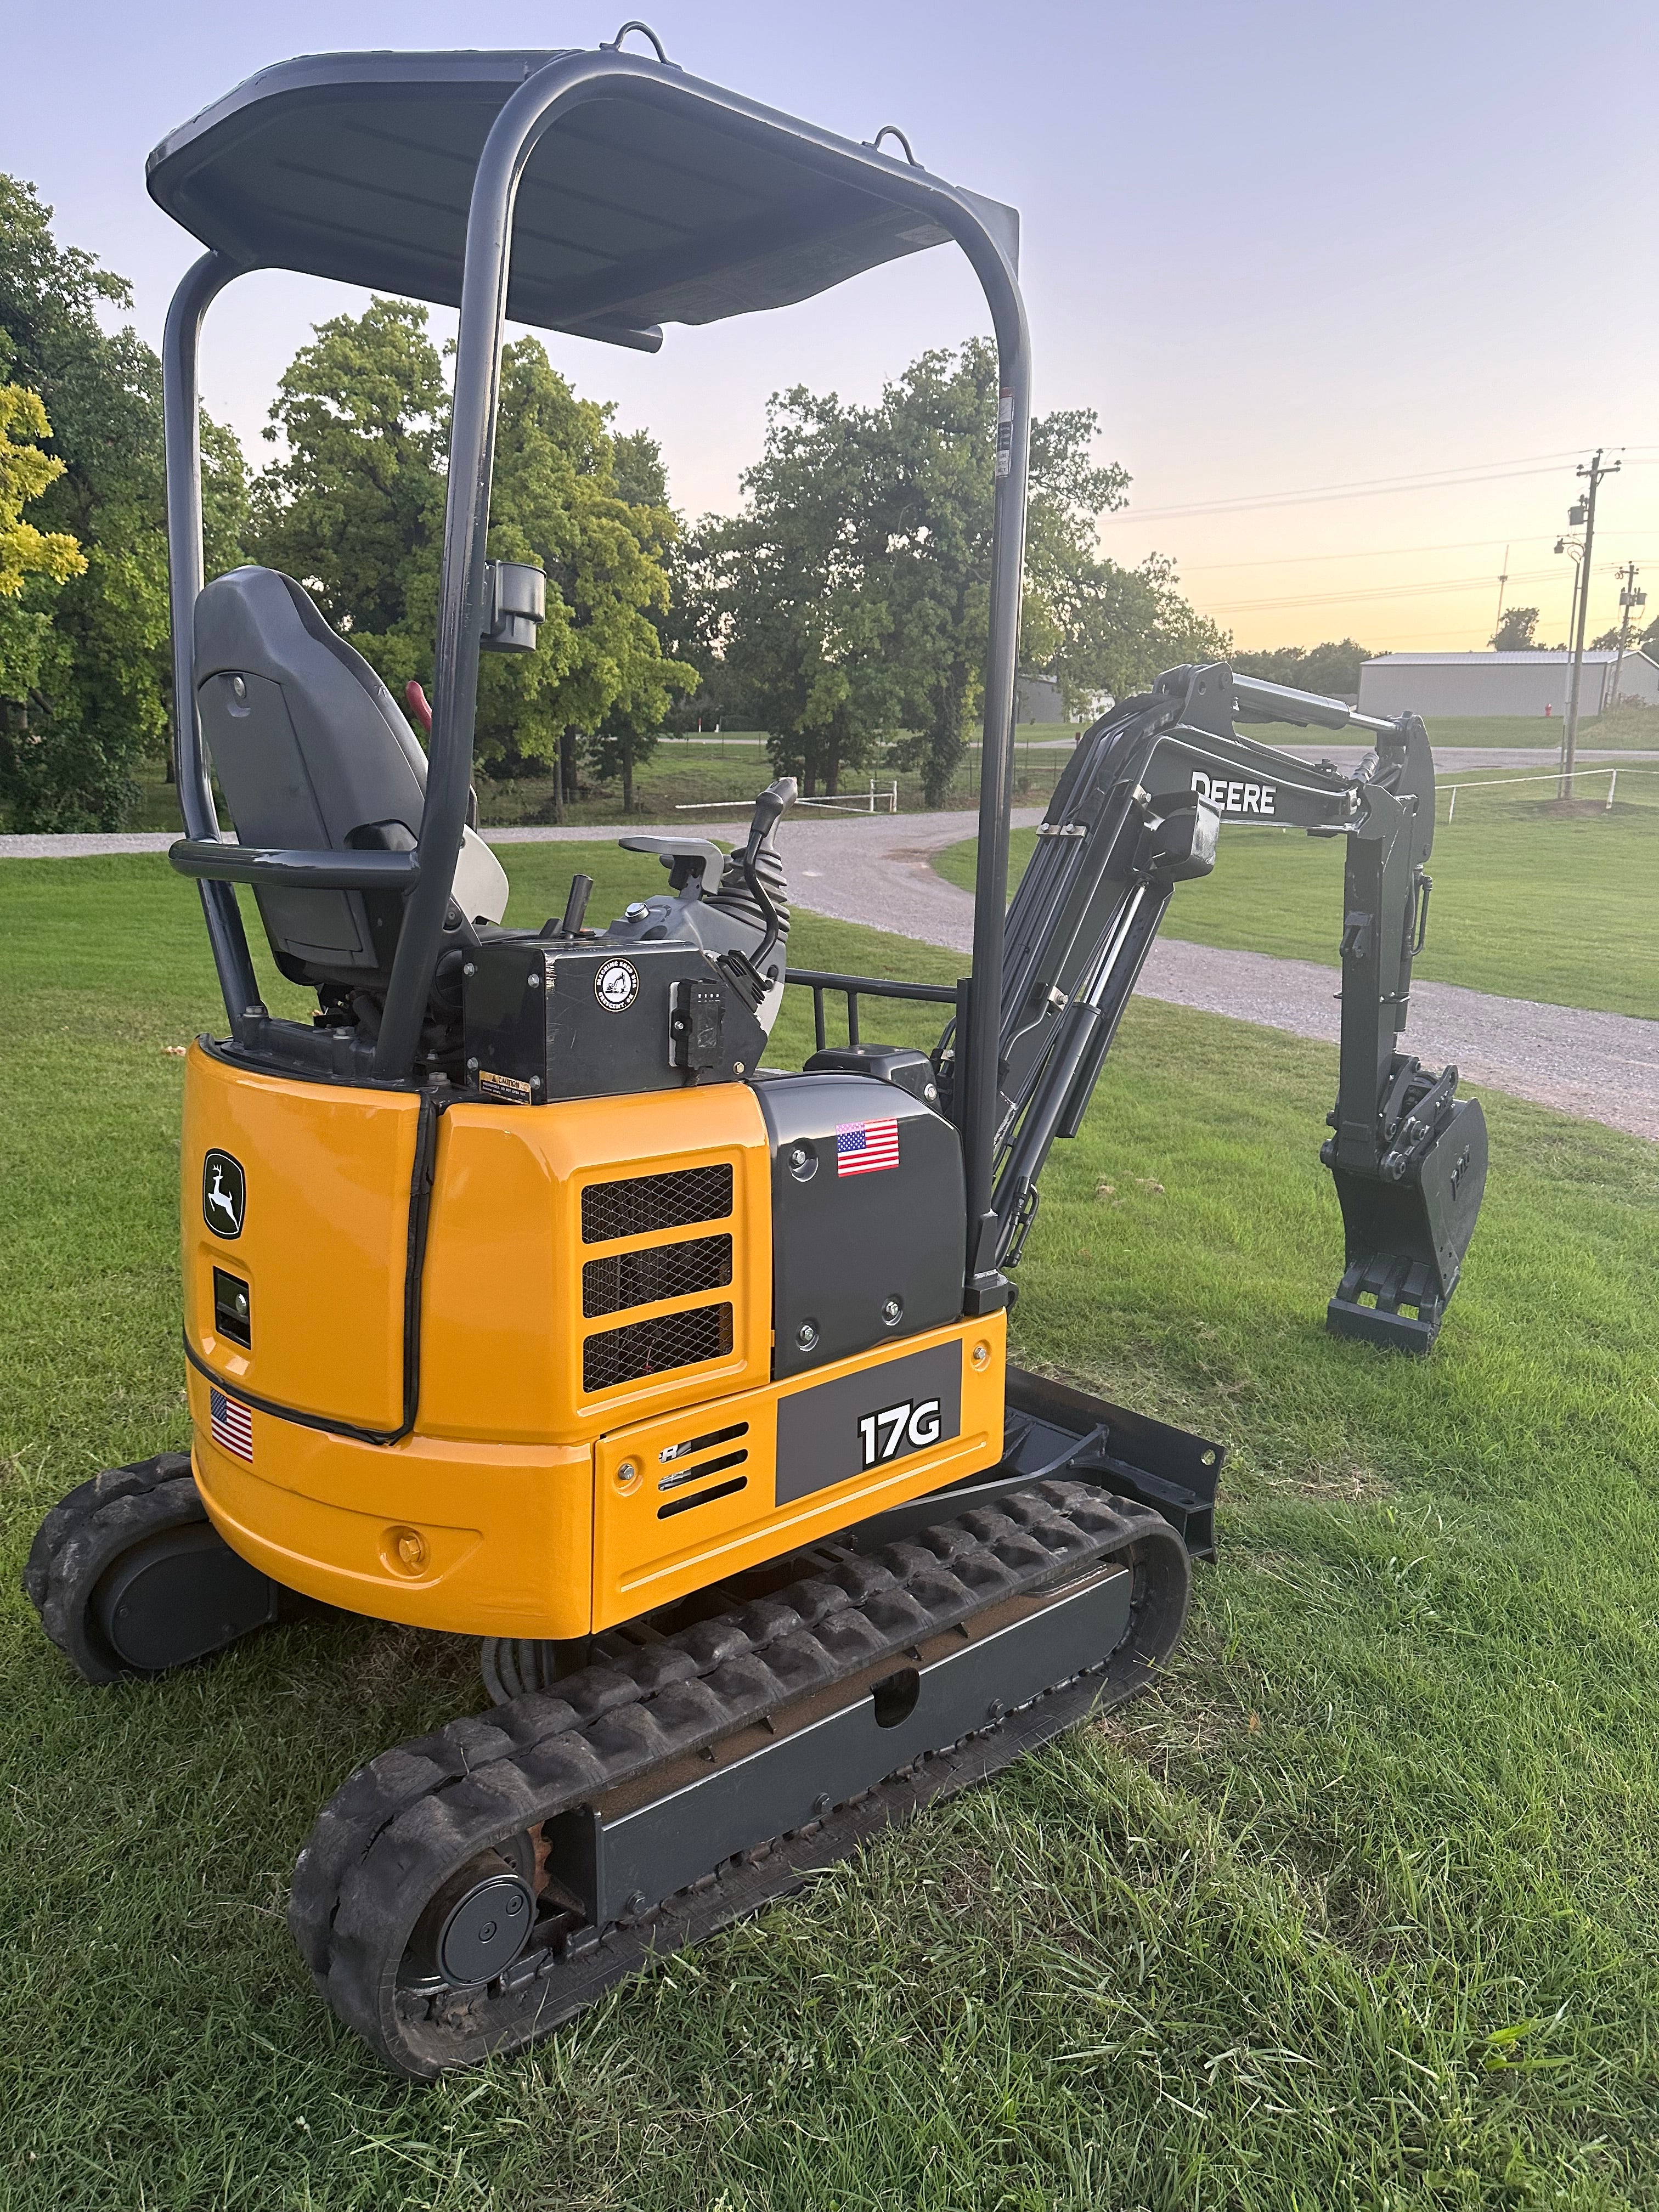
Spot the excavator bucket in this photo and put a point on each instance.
(1405, 1240)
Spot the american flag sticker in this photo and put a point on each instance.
(233, 1425)
(864, 1147)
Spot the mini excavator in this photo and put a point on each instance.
(523, 1301)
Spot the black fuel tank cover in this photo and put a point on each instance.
(869, 1225)
(898, 1064)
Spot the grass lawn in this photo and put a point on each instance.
(1526, 902)
(1360, 1912)
(683, 772)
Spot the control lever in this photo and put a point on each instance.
(749, 974)
(683, 857)
(581, 889)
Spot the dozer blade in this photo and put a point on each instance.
(1406, 1233)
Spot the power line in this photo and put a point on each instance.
(1362, 488)
(1357, 487)
(1395, 552)
(1384, 592)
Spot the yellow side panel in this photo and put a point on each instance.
(679, 1502)
(479, 1539)
(322, 1241)
(502, 1322)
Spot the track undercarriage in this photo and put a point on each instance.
(467, 1892)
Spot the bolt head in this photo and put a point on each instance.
(892, 1312)
(408, 1550)
(807, 1335)
(981, 1355)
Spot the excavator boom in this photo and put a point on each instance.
(1137, 812)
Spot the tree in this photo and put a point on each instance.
(1515, 631)
(44, 559)
(101, 698)
(355, 511)
(1120, 628)
(849, 598)
(788, 595)
(1332, 669)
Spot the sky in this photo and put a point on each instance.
(1352, 290)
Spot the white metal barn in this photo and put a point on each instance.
(1445, 685)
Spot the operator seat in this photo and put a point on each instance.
(312, 754)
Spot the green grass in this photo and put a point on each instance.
(1528, 903)
(1628, 728)
(1360, 1912)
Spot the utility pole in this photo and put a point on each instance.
(1629, 599)
(1575, 553)
(1586, 513)
(1503, 582)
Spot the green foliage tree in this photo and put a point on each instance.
(100, 697)
(45, 559)
(849, 599)
(1516, 631)
(1332, 668)
(355, 510)
(792, 598)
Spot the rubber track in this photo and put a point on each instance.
(399, 1828)
(86, 1532)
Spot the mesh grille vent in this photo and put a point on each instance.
(661, 1271)
(643, 1203)
(651, 1347)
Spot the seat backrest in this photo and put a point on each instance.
(311, 752)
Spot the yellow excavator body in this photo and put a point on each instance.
(584, 1441)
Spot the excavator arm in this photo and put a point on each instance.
(1137, 812)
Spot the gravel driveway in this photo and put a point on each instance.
(1605, 1066)
(880, 871)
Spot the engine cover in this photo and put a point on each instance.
(869, 1217)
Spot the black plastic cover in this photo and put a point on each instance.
(632, 211)
(868, 1215)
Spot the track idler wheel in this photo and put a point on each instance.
(131, 1578)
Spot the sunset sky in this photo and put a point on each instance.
(1352, 289)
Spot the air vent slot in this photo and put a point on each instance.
(615, 1356)
(661, 1271)
(692, 1444)
(641, 1204)
(704, 1467)
(702, 1498)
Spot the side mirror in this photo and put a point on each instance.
(515, 603)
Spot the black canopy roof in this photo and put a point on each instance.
(632, 211)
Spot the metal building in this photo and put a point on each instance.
(1444, 685)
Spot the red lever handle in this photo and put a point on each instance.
(418, 705)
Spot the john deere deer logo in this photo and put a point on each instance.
(224, 1194)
